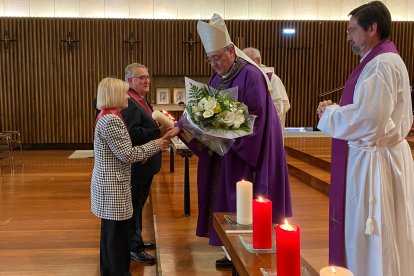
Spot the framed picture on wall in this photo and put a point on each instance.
(163, 95)
(179, 95)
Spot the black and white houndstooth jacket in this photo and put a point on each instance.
(111, 177)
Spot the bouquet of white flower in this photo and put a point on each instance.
(215, 117)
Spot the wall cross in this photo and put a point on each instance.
(69, 41)
(190, 42)
(6, 40)
(131, 42)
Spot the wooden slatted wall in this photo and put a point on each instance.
(47, 87)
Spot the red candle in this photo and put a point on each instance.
(288, 249)
(262, 223)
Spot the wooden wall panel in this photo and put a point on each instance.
(178, 49)
(47, 88)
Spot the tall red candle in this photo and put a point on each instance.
(262, 223)
(288, 249)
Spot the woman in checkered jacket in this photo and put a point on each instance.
(110, 185)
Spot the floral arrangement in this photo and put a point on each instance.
(210, 109)
(215, 117)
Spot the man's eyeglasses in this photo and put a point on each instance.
(215, 58)
(146, 77)
(351, 30)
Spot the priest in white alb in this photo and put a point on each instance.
(372, 172)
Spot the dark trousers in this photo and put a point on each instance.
(115, 244)
(140, 191)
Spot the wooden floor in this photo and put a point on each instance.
(47, 228)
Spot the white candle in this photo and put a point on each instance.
(244, 202)
(335, 271)
(162, 119)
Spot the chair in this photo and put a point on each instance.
(12, 139)
(6, 145)
(1, 158)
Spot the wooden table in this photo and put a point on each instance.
(245, 262)
(182, 150)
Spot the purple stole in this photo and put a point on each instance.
(338, 164)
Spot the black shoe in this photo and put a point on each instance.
(224, 263)
(142, 257)
(148, 245)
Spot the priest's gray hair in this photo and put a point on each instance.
(252, 53)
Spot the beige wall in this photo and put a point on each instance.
(196, 9)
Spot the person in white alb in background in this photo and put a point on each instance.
(279, 95)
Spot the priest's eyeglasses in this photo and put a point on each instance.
(351, 30)
(143, 78)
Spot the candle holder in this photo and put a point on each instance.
(273, 272)
(247, 241)
(231, 220)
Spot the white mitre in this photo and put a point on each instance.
(214, 36)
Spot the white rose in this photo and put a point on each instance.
(210, 103)
(238, 119)
(228, 119)
(202, 101)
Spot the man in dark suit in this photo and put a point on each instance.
(142, 128)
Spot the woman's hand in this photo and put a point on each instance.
(163, 143)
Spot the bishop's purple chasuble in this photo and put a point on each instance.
(259, 158)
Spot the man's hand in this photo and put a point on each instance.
(164, 129)
(322, 106)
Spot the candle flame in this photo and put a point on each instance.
(333, 269)
(286, 226)
(260, 199)
(168, 115)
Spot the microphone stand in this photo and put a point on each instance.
(331, 91)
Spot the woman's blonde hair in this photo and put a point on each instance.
(111, 92)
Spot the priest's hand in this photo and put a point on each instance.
(321, 107)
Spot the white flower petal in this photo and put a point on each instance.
(208, 113)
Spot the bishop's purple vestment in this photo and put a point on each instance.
(259, 158)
